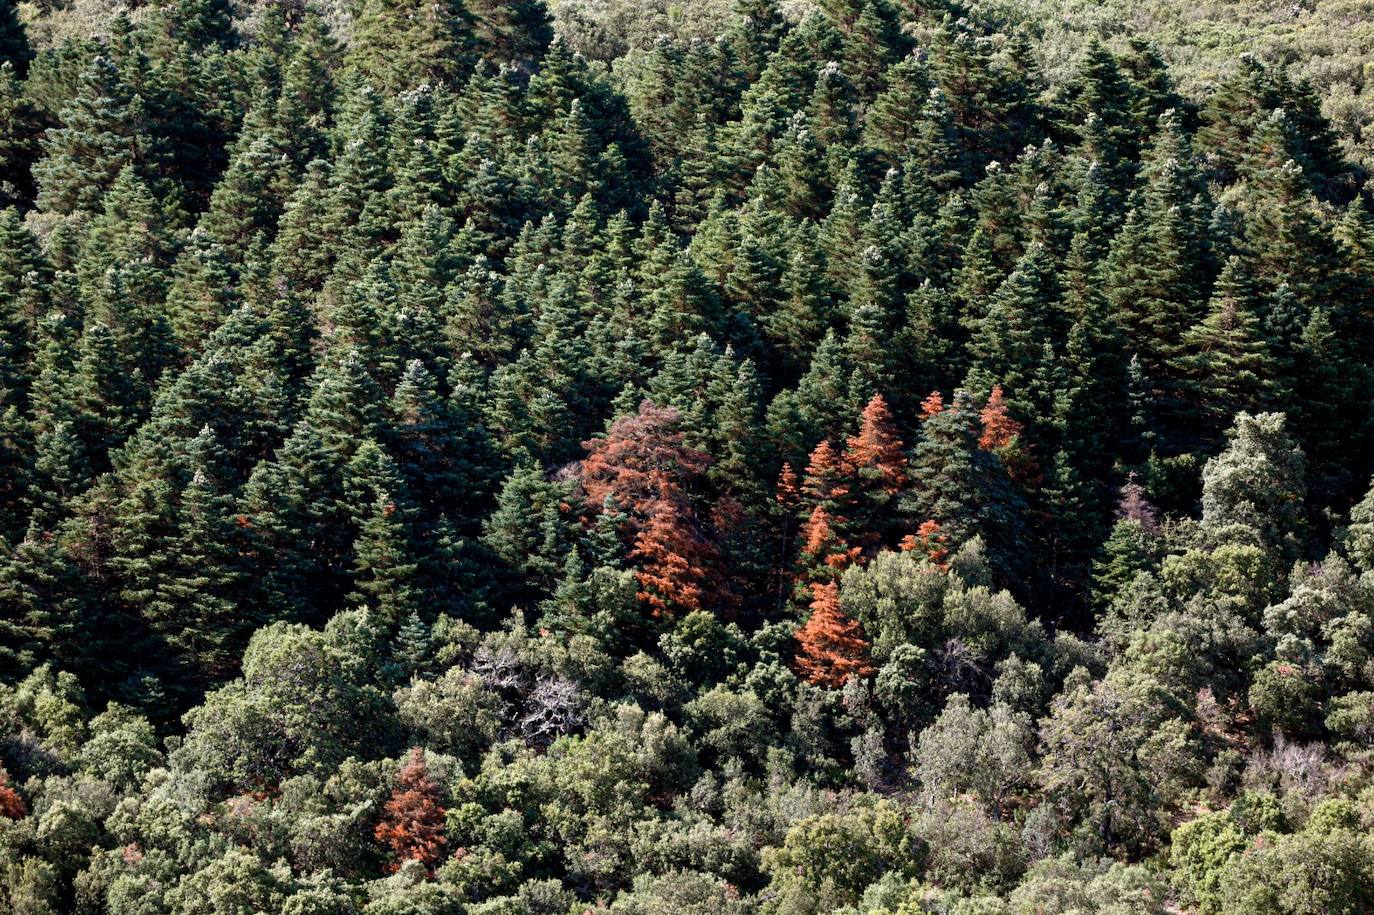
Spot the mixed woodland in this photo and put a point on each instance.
(871, 457)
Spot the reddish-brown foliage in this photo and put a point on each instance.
(11, 804)
(677, 564)
(1002, 434)
(932, 405)
(930, 539)
(821, 547)
(643, 464)
(876, 453)
(1134, 506)
(828, 476)
(999, 429)
(831, 646)
(412, 824)
(789, 492)
(641, 460)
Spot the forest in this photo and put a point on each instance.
(758, 457)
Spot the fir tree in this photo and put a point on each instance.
(14, 43)
(412, 824)
(1225, 361)
(831, 647)
(399, 44)
(20, 133)
(102, 130)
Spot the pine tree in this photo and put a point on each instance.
(202, 292)
(675, 563)
(643, 466)
(20, 133)
(196, 606)
(511, 30)
(1157, 270)
(102, 129)
(385, 566)
(399, 44)
(831, 647)
(14, 44)
(963, 487)
(1225, 365)
(412, 823)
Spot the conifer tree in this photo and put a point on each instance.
(384, 563)
(1157, 270)
(400, 44)
(412, 823)
(675, 562)
(49, 615)
(197, 607)
(755, 30)
(202, 293)
(831, 647)
(1225, 363)
(877, 459)
(14, 41)
(1133, 547)
(643, 465)
(528, 529)
(963, 487)
(517, 31)
(103, 129)
(1010, 342)
(20, 133)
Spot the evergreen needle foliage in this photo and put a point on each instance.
(870, 457)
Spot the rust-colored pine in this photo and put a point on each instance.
(828, 477)
(642, 459)
(931, 540)
(644, 465)
(876, 453)
(831, 647)
(999, 429)
(789, 488)
(933, 405)
(821, 548)
(11, 804)
(412, 824)
(1002, 434)
(675, 562)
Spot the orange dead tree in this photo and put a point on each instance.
(1002, 435)
(999, 429)
(644, 465)
(831, 647)
(675, 561)
(412, 823)
(931, 540)
(876, 454)
(11, 804)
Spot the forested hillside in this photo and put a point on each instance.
(833, 464)
(1329, 43)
